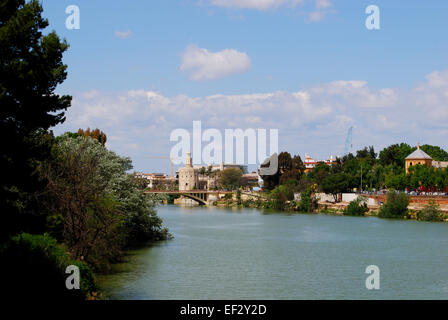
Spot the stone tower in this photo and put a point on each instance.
(188, 176)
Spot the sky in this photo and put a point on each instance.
(309, 68)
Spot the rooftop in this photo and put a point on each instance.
(418, 155)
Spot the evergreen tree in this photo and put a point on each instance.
(30, 69)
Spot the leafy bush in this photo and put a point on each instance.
(357, 207)
(33, 266)
(230, 178)
(248, 203)
(103, 210)
(238, 196)
(307, 202)
(335, 184)
(396, 205)
(279, 196)
(431, 212)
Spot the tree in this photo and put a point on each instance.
(30, 70)
(284, 162)
(335, 184)
(295, 172)
(230, 178)
(395, 154)
(367, 154)
(320, 172)
(435, 152)
(289, 168)
(101, 208)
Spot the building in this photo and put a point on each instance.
(251, 180)
(188, 176)
(151, 177)
(310, 163)
(421, 157)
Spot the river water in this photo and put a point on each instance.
(249, 254)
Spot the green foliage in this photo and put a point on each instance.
(435, 152)
(230, 178)
(395, 154)
(288, 168)
(249, 203)
(357, 207)
(279, 196)
(362, 171)
(319, 173)
(396, 205)
(421, 175)
(238, 196)
(102, 207)
(30, 70)
(36, 269)
(397, 181)
(431, 212)
(335, 184)
(307, 202)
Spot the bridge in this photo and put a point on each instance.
(206, 197)
(203, 197)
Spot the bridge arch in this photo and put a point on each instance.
(196, 198)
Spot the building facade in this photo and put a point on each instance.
(310, 163)
(420, 157)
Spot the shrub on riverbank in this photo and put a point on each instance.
(396, 205)
(278, 197)
(307, 203)
(431, 212)
(356, 207)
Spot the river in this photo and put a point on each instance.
(249, 254)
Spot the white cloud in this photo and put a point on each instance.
(323, 4)
(255, 4)
(202, 64)
(312, 120)
(316, 16)
(438, 79)
(123, 34)
(432, 96)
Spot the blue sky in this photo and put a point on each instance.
(310, 68)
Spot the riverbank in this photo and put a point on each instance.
(416, 206)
